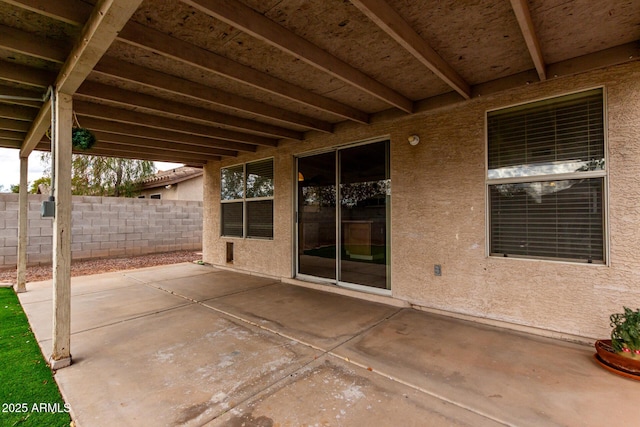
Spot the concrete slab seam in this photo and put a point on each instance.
(264, 389)
(420, 389)
(330, 352)
(136, 317)
(150, 284)
(262, 327)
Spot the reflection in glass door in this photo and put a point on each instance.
(342, 229)
(364, 188)
(317, 215)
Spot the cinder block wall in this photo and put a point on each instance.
(103, 227)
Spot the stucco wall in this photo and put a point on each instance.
(438, 215)
(190, 189)
(103, 227)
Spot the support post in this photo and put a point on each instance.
(23, 213)
(62, 124)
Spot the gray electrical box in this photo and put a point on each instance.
(437, 270)
(48, 209)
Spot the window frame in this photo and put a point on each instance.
(600, 174)
(245, 200)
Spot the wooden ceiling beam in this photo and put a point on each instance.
(132, 143)
(259, 26)
(71, 12)
(14, 112)
(228, 148)
(523, 15)
(106, 20)
(385, 17)
(155, 41)
(24, 75)
(18, 41)
(149, 155)
(179, 86)
(14, 125)
(9, 143)
(140, 153)
(95, 90)
(128, 147)
(89, 109)
(11, 135)
(22, 97)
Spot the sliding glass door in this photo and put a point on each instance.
(343, 210)
(317, 215)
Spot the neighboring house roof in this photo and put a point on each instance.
(170, 177)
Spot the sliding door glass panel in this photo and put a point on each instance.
(364, 189)
(317, 215)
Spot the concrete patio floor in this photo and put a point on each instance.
(198, 346)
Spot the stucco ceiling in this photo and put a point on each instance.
(193, 81)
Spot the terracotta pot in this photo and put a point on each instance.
(610, 359)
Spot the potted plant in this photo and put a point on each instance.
(621, 354)
(82, 138)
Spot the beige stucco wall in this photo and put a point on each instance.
(438, 215)
(190, 189)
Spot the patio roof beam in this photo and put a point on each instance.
(228, 148)
(155, 41)
(26, 114)
(125, 97)
(106, 19)
(12, 135)
(523, 15)
(259, 26)
(179, 86)
(14, 125)
(77, 12)
(74, 13)
(13, 95)
(139, 153)
(150, 155)
(9, 143)
(28, 76)
(89, 109)
(18, 41)
(385, 17)
(131, 143)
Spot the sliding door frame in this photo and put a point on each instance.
(338, 233)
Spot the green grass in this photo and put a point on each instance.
(29, 396)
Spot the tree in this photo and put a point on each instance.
(105, 176)
(35, 185)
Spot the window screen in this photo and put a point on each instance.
(533, 213)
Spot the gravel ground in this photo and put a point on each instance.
(83, 268)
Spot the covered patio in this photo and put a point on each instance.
(389, 100)
(196, 345)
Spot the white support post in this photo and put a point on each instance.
(23, 212)
(63, 114)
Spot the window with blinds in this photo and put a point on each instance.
(546, 177)
(246, 194)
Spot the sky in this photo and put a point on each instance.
(10, 167)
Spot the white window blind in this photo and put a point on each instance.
(533, 213)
